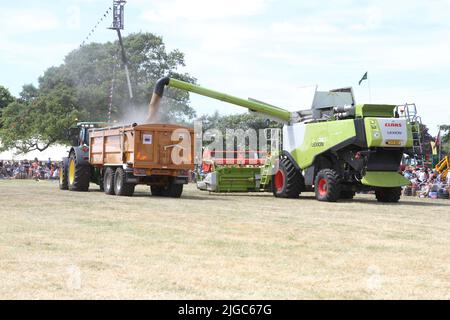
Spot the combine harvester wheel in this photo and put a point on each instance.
(388, 194)
(287, 181)
(327, 186)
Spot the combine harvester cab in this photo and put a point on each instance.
(335, 148)
(119, 158)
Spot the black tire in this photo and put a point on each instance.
(388, 194)
(173, 190)
(63, 181)
(156, 191)
(287, 182)
(121, 187)
(78, 174)
(327, 186)
(443, 194)
(347, 194)
(108, 181)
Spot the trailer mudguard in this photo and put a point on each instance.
(384, 179)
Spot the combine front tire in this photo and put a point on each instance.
(121, 187)
(388, 194)
(287, 182)
(78, 174)
(108, 181)
(347, 194)
(327, 186)
(63, 181)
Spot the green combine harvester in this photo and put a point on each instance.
(335, 148)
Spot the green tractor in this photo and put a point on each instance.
(76, 173)
(335, 148)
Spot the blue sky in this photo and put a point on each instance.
(265, 49)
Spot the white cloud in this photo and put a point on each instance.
(16, 22)
(196, 10)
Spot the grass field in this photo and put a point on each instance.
(59, 244)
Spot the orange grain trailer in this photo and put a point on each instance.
(119, 158)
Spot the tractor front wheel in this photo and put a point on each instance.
(327, 186)
(388, 194)
(78, 174)
(63, 181)
(287, 182)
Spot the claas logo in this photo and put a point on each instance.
(393, 124)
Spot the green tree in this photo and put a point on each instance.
(40, 123)
(29, 93)
(5, 97)
(445, 139)
(92, 68)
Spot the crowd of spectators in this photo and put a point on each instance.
(24, 169)
(426, 183)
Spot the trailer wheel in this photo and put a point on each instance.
(347, 194)
(327, 186)
(78, 174)
(108, 181)
(63, 181)
(287, 181)
(388, 194)
(121, 187)
(173, 190)
(156, 191)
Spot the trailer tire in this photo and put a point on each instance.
(108, 181)
(78, 174)
(156, 191)
(287, 182)
(347, 194)
(327, 185)
(63, 181)
(121, 186)
(173, 190)
(388, 194)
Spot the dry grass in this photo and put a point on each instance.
(56, 244)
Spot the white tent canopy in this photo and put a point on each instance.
(55, 153)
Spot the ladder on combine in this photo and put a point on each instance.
(274, 139)
(409, 112)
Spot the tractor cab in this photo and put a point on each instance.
(79, 135)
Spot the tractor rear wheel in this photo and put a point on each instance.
(78, 174)
(121, 186)
(108, 181)
(63, 181)
(327, 185)
(388, 194)
(287, 182)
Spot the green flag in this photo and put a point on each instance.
(363, 78)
